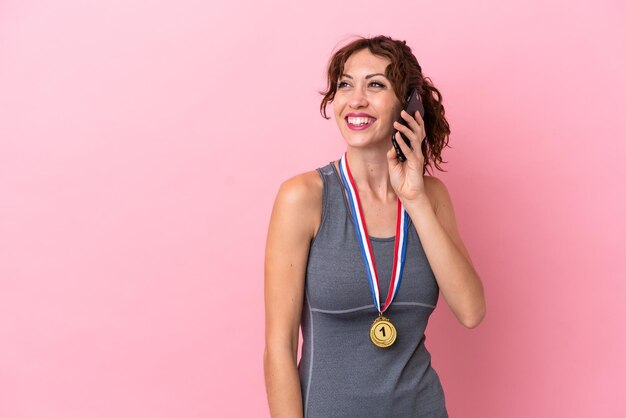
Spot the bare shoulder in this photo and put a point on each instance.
(301, 197)
(302, 192)
(437, 192)
(302, 189)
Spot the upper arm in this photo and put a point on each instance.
(445, 212)
(292, 224)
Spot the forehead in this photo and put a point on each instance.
(365, 62)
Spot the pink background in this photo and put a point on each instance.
(142, 144)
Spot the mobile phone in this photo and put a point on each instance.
(412, 104)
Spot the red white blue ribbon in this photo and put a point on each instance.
(402, 227)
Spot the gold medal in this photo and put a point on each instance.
(382, 332)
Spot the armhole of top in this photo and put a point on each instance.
(343, 191)
(324, 204)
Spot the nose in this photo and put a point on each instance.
(358, 99)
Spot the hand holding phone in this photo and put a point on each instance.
(413, 104)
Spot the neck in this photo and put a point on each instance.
(370, 171)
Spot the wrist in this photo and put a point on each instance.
(421, 211)
(420, 201)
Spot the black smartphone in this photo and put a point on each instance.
(413, 104)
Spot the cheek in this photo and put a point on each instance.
(397, 107)
(393, 107)
(339, 106)
(337, 114)
(336, 111)
(394, 113)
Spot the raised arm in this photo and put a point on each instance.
(295, 217)
(427, 201)
(450, 261)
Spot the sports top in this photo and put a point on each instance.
(342, 373)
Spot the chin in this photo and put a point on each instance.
(366, 143)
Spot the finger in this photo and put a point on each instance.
(418, 118)
(407, 132)
(413, 120)
(416, 127)
(414, 155)
(408, 152)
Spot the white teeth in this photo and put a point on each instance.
(360, 121)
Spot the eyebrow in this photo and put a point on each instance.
(367, 77)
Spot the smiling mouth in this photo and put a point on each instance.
(359, 123)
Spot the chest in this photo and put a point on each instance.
(380, 218)
(337, 279)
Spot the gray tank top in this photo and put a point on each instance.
(342, 374)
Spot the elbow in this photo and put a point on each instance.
(475, 310)
(472, 321)
(471, 324)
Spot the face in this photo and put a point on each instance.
(365, 105)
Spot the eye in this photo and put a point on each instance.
(342, 84)
(377, 84)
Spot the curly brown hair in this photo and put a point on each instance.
(404, 72)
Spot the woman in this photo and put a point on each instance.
(344, 237)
